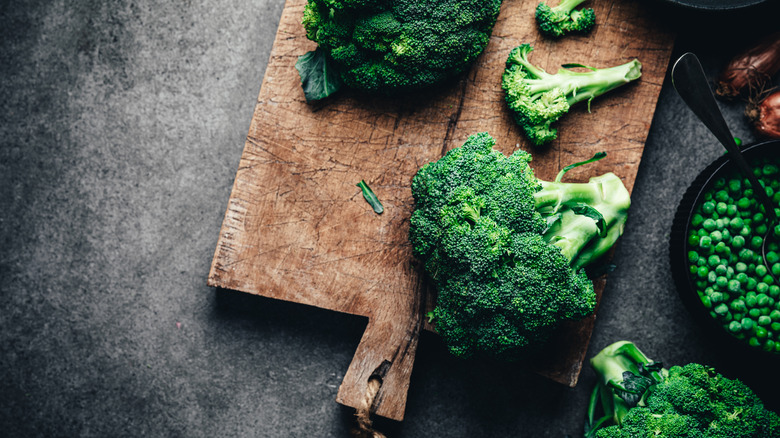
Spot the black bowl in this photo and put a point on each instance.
(715, 5)
(678, 252)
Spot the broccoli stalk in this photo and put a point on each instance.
(594, 216)
(625, 374)
(640, 398)
(562, 19)
(537, 98)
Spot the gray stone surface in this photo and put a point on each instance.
(122, 127)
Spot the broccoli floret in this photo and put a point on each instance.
(537, 98)
(389, 47)
(559, 20)
(639, 398)
(505, 250)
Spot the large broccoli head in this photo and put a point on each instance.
(639, 398)
(482, 227)
(391, 46)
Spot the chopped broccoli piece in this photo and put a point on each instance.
(639, 398)
(505, 250)
(559, 20)
(389, 47)
(537, 98)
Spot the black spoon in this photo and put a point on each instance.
(691, 84)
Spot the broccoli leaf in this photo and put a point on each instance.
(551, 221)
(319, 76)
(596, 157)
(579, 66)
(370, 197)
(587, 210)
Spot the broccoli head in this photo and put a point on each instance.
(559, 20)
(639, 398)
(537, 98)
(393, 46)
(505, 250)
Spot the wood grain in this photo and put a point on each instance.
(298, 229)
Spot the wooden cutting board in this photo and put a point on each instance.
(298, 229)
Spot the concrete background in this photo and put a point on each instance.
(122, 127)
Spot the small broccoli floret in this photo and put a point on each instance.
(537, 98)
(394, 46)
(639, 398)
(505, 250)
(559, 20)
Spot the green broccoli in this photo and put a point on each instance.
(393, 46)
(538, 98)
(640, 398)
(506, 251)
(562, 19)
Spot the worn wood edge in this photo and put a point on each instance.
(390, 361)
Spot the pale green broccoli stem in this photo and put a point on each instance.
(578, 236)
(580, 86)
(609, 365)
(566, 6)
(576, 86)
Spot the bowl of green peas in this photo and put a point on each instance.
(716, 253)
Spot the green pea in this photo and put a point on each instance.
(756, 242)
(721, 208)
(742, 204)
(738, 306)
(735, 185)
(738, 242)
(735, 327)
(774, 291)
(705, 242)
(762, 288)
(754, 342)
(740, 267)
(764, 320)
(769, 345)
(709, 224)
(751, 283)
(705, 300)
(761, 333)
(697, 220)
(754, 313)
(733, 286)
(775, 315)
(761, 270)
(721, 309)
(775, 326)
